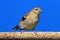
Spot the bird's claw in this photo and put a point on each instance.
(35, 32)
(21, 31)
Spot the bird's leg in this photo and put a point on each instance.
(35, 32)
(21, 31)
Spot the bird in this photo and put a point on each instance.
(29, 20)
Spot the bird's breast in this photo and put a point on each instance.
(30, 20)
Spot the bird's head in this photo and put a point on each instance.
(37, 10)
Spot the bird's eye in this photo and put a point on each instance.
(36, 9)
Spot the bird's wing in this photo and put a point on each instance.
(24, 17)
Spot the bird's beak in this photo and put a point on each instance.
(40, 10)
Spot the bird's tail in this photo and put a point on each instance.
(16, 28)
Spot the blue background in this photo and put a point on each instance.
(11, 11)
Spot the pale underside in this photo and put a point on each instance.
(30, 22)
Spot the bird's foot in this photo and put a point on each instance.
(21, 31)
(35, 32)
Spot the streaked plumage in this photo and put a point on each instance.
(30, 20)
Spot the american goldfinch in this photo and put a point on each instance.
(30, 20)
